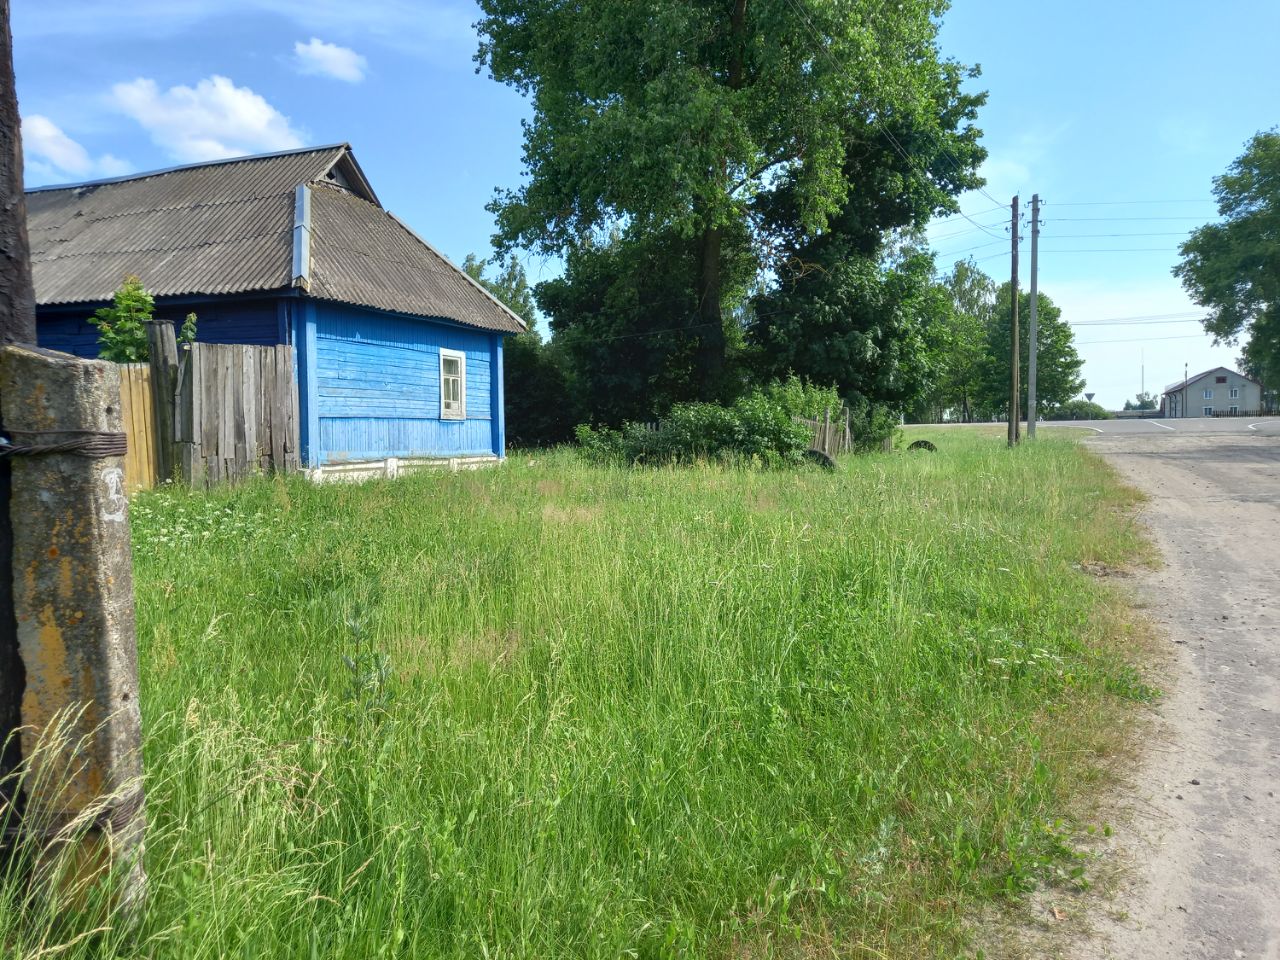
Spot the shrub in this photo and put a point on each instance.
(872, 424)
(1079, 410)
(122, 331)
(758, 429)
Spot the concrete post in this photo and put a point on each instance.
(73, 601)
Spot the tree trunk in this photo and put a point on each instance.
(17, 325)
(711, 345)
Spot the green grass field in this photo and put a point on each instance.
(553, 710)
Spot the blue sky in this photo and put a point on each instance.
(1091, 103)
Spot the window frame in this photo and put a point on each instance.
(1208, 393)
(461, 377)
(1234, 410)
(1235, 393)
(1206, 411)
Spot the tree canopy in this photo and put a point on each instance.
(1233, 267)
(679, 119)
(1058, 365)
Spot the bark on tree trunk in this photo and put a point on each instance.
(711, 328)
(17, 325)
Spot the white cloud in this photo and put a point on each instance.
(52, 154)
(329, 60)
(210, 121)
(437, 29)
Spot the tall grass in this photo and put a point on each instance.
(557, 710)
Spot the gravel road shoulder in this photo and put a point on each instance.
(1204, 832)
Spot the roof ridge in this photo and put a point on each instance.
(436, 253)
(188, 166)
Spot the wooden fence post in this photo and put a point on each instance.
(164, 375)
(73, 601)
(186, 417)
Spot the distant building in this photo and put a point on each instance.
(398, 353)
(1219, 392)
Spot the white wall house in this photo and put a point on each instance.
(1215, 393)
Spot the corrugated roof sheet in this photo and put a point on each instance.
(362, 254)
(227, 227)
(215, 228)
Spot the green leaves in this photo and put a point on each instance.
(1233, 267)
(122, 334)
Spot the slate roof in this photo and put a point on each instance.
(1177, 386)
(229, 227)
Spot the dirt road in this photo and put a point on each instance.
(1207, 804)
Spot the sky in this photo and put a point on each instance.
(1118, 114)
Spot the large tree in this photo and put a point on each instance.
(671, 118)
(1233, 267)
(1058, 364)
(539, 407)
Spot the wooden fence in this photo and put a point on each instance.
(209, 413)
(832, 434)
(137, 411)
(236, 413)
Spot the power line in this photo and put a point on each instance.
(1118, 203)
(1130, 323)
(957, 216)
(1143, 316)
(981, 246)
(1115, 219)
(1187, 336)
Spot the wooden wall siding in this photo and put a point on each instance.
(218, 321)
(236, 412)
(137, 413)
(377, 388)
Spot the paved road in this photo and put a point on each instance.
(1194, 426)
(1207, 800)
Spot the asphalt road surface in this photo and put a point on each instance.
(1191, 426)
(1205, 841)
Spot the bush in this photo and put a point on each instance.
(1079, 410)
(872, 424)
(122, 331)
(758, 429)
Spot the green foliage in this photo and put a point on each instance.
(666, 713)
(625, 315)
(959, 341)
(510, 286)
(1233, 267)
(678, 120)
(187, 335)
(854, 324)
(758, 429)
(122, 331)
(541, 407)
(1078, 409)
(1144, 401)
(1058, 364)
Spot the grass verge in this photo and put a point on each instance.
(556, 710)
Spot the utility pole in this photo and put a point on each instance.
(1015, 362)
(71, 797)
(17, 325)
(1034, 346)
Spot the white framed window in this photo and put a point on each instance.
(1235, 411)
(453, 385)
(1208, 411)
(1208, 394)
(1235, 393)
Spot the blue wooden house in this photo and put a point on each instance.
(397, 352)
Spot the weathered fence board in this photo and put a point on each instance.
(137, 412)
(240, 408)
